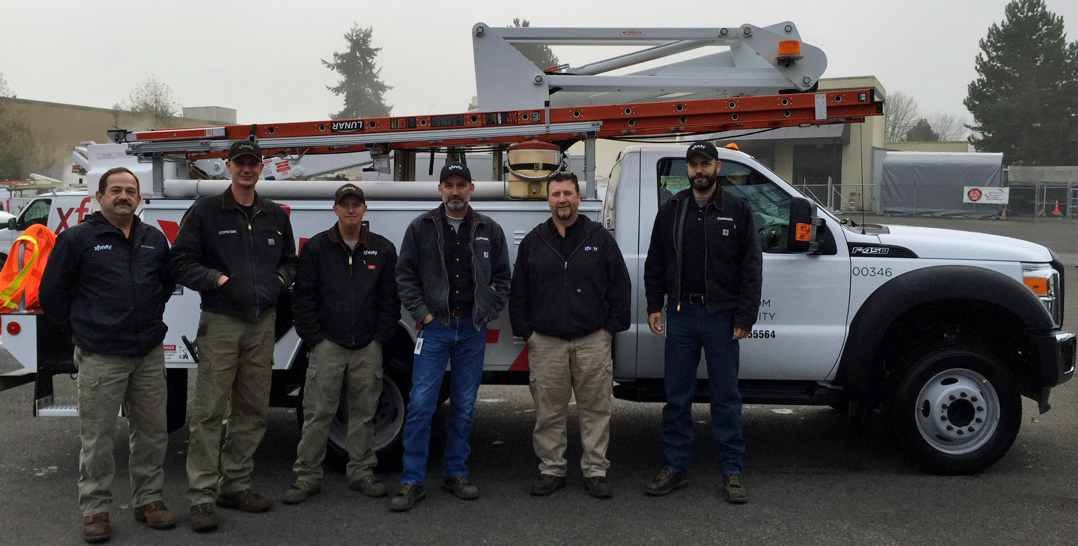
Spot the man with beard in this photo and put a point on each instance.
(704, 263)
(453, 278)
(570, 295)
(108, 278)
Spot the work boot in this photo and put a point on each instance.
(369, 485)
(95, 528)
(460, 487)
(203, 518)
(406, 498)
(599, 487)
(732, 489)
(244, 501)
(300, 491)
(666, 481)
(155, 515)
(546, 484)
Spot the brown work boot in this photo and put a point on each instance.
(369, 485)
(155, 515)
(460, 487)
(95, 528)
(300, 491)
(665, 482)
(244, 501)
(203, 518)
(732, 489)
(406, 498)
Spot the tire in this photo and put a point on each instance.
(388, 420)
(955, 410)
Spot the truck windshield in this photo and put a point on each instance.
(35, 213)
(770, 205)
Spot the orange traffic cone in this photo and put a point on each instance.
(1003, 215)
(1055, 211)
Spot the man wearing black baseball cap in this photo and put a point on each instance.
(346, 307)
(238, 251)
(453, 277)
(704, 266)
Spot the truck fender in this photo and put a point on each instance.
(859, 361)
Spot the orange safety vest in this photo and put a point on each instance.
(35, 244)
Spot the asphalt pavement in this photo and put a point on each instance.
(811, 479)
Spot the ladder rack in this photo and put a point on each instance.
(564, 125)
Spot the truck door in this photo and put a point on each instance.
(800, 329)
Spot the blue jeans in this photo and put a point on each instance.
(687, 331)
(462, 346)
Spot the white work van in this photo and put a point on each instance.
(941, 330)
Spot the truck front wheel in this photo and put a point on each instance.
(955, 410)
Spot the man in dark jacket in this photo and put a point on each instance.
(346, 307)
(705, 262)
(108, 278)
(570, 295)
(453, 278)
(237, 250)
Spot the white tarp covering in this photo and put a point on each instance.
(933, 183)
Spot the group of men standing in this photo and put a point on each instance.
(569, 295)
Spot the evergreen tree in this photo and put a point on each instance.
(1025, 101)
(359, 81)
(922, 132)
(539, 54)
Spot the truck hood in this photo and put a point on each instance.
(963, 245)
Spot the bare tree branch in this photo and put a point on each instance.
(900, 115)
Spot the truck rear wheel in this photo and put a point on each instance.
(955, 410)
(388, 419)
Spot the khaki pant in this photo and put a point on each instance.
(138, 383)
(559, 369)
(360, 372)
(234, 370)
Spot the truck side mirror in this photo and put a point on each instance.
(11, 223)
(804, 226)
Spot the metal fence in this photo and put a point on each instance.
(1032, 202)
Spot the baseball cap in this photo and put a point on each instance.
(703, 148)
(244, 147)
(455, 168)
(346, 190)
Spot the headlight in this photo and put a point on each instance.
(1043, 281)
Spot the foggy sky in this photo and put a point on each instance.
(263, 57)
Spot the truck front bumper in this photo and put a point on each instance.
(1056, 353)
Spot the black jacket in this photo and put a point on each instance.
(569, 296)
(110, 288)
(217, 238)
(348, 296)
(733, 261)
(422, 281)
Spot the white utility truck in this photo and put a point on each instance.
(941, 330)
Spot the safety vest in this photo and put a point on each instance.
(35, 244)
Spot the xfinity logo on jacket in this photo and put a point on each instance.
(590, 248)
(99, 248)
(148, 247)
(227, 232)
(370, 252)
